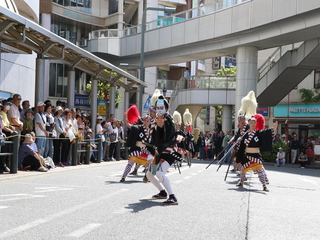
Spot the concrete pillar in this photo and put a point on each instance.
(40, 77)
(71, 87)
(247, 65)
(46, 20)
(126, 99)
(120, 15)
(226, 118)
(112, 99)
(94, 104)
(140, 12)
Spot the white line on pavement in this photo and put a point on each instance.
(3, 207)
(309, 181)
(84, 230)
(14, 197)
(50, 189)
(16, 230)
(187, 177)
(178, 181)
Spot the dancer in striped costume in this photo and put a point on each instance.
(249, 151)
(139, 153)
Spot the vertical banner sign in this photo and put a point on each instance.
(102, 107)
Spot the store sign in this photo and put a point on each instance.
(264, 111)
(297, 110)
(81, 100)
(205, 115)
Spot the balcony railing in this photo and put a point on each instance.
(204, 82)
(169, 20)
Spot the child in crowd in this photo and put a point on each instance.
(302, 159)
(310, 153)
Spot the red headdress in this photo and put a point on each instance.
(133, 114)
(260, 122)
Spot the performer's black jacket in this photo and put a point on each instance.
(136, 133)
(181, 144)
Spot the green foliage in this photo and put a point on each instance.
(103, 91)
(271, 156)
(230, 71)
(309, 95)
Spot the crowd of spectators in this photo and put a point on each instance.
(46, 134)
(214, 142)
(297, 146)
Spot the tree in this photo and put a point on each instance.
(104, 91)
(230, 71)
(309, 95)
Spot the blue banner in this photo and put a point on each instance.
(81, 100)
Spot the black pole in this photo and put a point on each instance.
(15, 149)
(74, 152)
(88, 146)
(99, 155)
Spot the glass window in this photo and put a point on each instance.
(58, 80)
(78, 5)
(113, 6)
(317, 79)
(52, 79)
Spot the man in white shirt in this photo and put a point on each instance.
(40, 127)
(14, 113)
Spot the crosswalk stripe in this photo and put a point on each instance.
(84, 230)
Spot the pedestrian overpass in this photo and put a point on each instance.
(212, 31)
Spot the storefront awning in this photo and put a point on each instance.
(20, 35)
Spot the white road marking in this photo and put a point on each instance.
(187, 177)
(50, 189)
(309, 181)
(36, 223)
(84, 230)
(3, 207)
(194, 174)
(19, 196)
(178, 181)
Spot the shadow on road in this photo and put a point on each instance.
(143, 204)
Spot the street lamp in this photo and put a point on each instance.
(143, 30)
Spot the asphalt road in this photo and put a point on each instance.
(89, 202)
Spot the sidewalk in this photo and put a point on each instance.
(23, 174)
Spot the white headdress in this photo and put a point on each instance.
(187, 117)
(155, 97)
(248, 105)
(176, 117)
